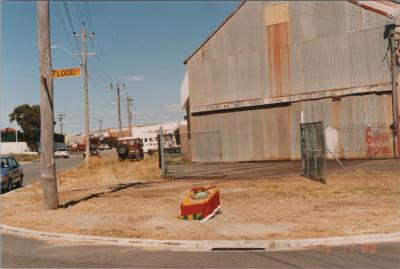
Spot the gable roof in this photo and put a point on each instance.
(389, 9)
(215, 31)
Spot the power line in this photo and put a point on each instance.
(72, 27)
(98, 75)
(88, 15)
(79, 11)
(102, 54)
(98, 91)
(64, 24)
(102, 66)
(102, 61)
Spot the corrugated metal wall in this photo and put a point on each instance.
(274, 133)
(332, 45)
(250, 135)
(232, 65)
(346, 121)
(336, 45)
(321, 46)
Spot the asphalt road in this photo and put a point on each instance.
(32, 170)
(19, 252)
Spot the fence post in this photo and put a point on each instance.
(161, 150)
(220, 153)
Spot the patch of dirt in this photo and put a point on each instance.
(107, 200)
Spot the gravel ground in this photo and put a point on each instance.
(130, 199)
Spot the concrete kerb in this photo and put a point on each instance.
(205, 245)
(27, 187)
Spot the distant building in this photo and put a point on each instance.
(114, 132)
(73, 140)
(270, 63)
(8, 130)
(148, 133)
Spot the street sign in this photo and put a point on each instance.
(67, 72)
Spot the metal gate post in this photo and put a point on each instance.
(161, 149)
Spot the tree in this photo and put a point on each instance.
(28, 118)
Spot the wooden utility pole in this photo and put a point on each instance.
(393, 36)
(86, 95)
(100, 121)
(396, 104)
(84, 54)
(61, 116)
(119, 111)
(48, 169)
(129, 103)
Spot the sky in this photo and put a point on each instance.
(140, 43)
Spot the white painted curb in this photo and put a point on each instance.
(206, 245)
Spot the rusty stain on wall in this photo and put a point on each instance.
(278, 59)
(276, 21)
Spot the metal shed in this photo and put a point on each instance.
(269, 62)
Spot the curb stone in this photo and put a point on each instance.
(206, 245)
(26, 187)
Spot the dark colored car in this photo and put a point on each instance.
(130, 148)
(11, 173)
(93, 150)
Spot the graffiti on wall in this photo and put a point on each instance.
(377, 142)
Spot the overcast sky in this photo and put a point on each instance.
(145, 44)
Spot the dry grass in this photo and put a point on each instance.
(292, 207)
(109, 170)
(26, 158)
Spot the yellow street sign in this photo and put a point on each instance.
(67, 72)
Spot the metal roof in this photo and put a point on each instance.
(389, 9)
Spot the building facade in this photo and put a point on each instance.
(148, 133)
(269, 63)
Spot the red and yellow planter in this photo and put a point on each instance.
(201, 203)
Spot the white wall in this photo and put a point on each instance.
(13, 147)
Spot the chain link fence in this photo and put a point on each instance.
(188, 155)
(313, 161)
(360, 142)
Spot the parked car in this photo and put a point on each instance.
(11, 173)
(93, 150)
(61, 153)
(130, 148)
(104, 146)
(27, 152)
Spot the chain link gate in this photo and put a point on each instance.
(191, 155)
(313, 147)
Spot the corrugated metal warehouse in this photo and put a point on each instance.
(269, 63)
